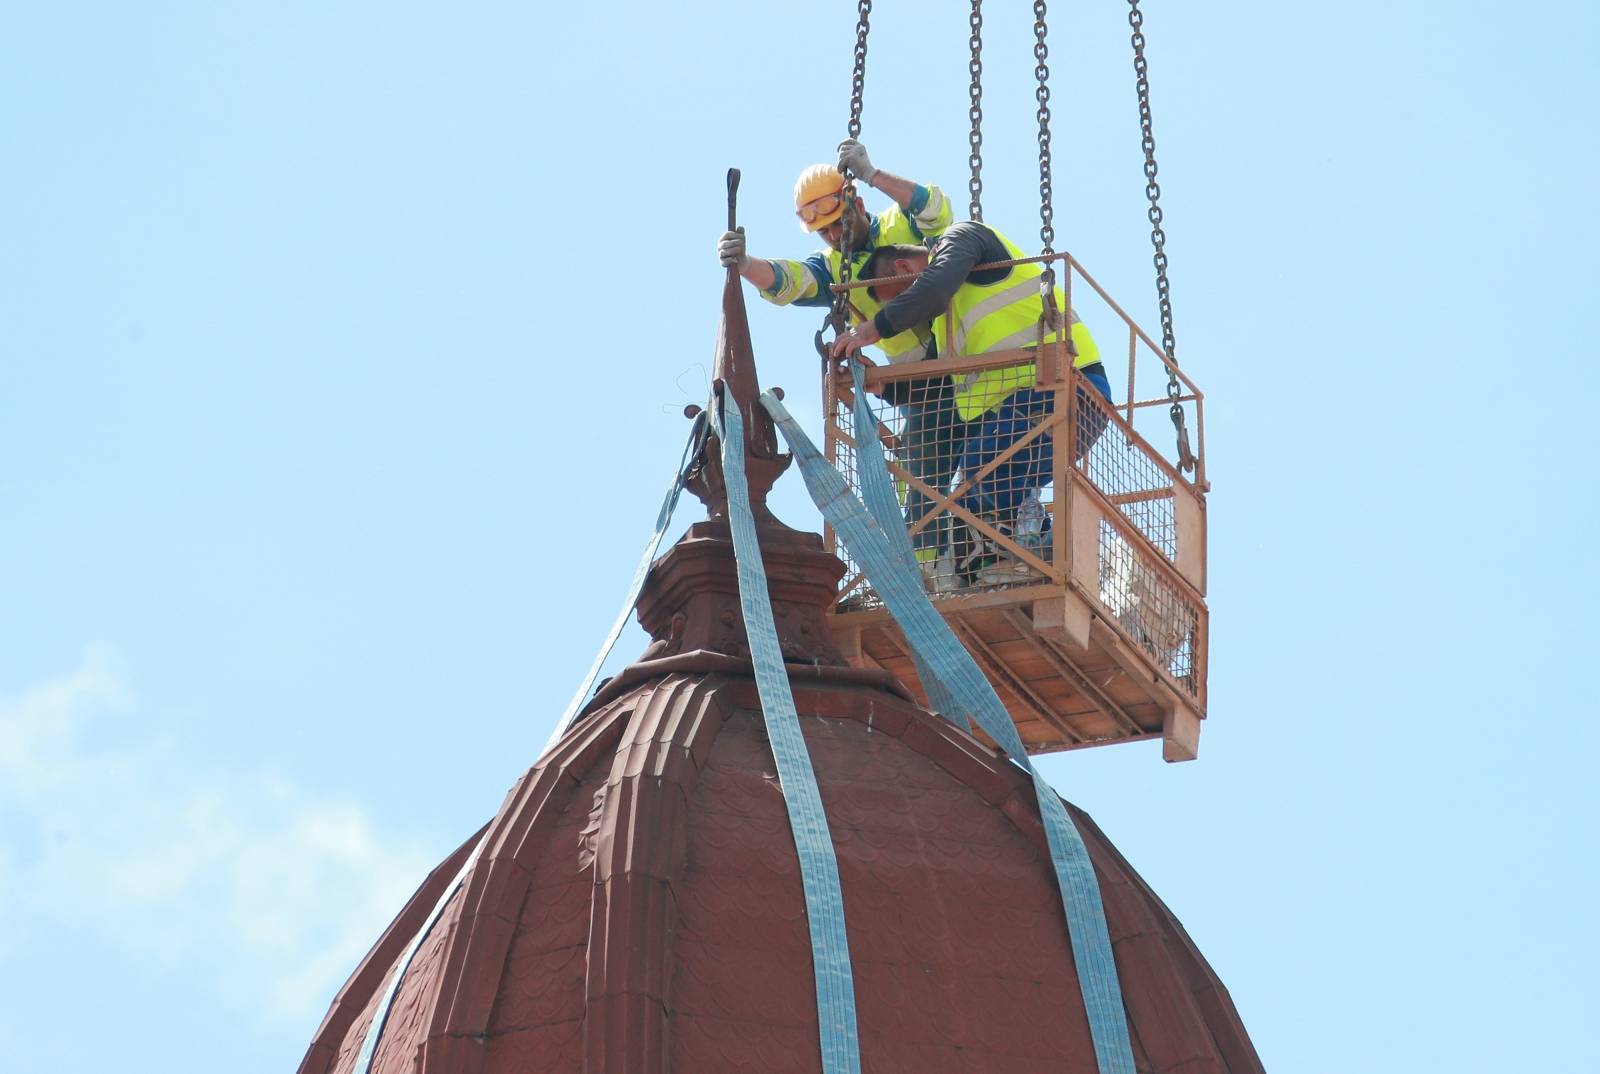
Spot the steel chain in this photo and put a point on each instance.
(838, 313)
(1041, 53)
(858, 77)
(1047, 213)
(1158, 237)
(975, 91)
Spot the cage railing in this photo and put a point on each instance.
(1116, 521)
(1138, 342)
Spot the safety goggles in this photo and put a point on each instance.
(824, 206)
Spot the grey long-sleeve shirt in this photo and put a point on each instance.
(967, 243)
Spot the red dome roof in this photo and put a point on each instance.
(639, 909)
(637, 906)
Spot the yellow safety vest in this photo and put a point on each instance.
(894, 227)
(1004, 316)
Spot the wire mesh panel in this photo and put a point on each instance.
(976, 493)
(989, 481)
(854, 592)
(1123, 466)
(1155, 612)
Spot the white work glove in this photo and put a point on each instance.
(853, 156)
(730, 250)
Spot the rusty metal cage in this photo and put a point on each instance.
(1003, 516)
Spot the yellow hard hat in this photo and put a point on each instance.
(819, 196)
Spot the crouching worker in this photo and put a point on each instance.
(989, 310)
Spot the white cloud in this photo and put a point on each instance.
(268, 892)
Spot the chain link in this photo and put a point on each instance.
(838, 314)
(858, 77)
(975, 91)
(1041, 53)
(1158, 237)
(1052, 319)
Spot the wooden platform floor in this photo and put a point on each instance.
(1067, 676)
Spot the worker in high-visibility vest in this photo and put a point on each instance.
(932, 437)
(983, 312)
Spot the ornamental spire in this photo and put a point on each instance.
(733, 376)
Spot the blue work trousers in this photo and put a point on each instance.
(998, 495)
(931, 448)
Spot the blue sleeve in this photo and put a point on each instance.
(817, 265)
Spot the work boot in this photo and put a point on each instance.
(1009, 572)
(940, 575)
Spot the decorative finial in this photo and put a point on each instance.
(734, 375)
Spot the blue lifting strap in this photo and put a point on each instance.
(878, 494)
(926, 631)
(374, 1031)
(819, 868)
(380, 1017)
(663, 520)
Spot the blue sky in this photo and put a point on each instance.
(344, 347)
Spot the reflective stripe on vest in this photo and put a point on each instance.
(912, 345)
(1003, 316)
(981, 392)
